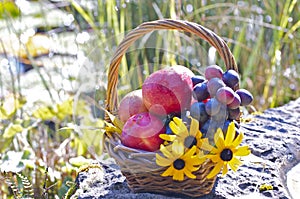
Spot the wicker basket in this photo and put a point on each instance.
(139, 167)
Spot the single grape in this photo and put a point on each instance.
(246, 96)
(200, 91)
(198, 112)
(209, 129)
(235, 103)
(225, 95)
(231, 78)
(213, 86)
(221, 116)
(213, 71)
(197, 79)
(212, 107)
(226, 124)
(204, 128)
(234, 113)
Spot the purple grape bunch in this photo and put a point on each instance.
(218, 99)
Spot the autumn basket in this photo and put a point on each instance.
(139, 166)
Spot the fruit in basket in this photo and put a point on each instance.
(213, 71)
(200, 91)
(213, 85)
(198, 112)
(131, 104)
(168, 90)
(197, 79)
(233, 114)
(236, 102)
(141, 131)
(212, 106)
(225, 95)
(231, 78)
(246, 96)
(222, 114)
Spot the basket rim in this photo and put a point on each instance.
(204, 33)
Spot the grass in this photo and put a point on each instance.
(262, 35)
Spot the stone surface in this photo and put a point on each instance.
(293, 181)
(273, 137)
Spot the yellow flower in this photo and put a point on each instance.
(115, 126)
(179, 163)
(225, 152)
(181, 133)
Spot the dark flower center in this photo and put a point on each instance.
(226, 155)
(190, 141)
(179, 164)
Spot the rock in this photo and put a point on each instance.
(273, 137)
(293, 181)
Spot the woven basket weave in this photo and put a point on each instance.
(139, 167)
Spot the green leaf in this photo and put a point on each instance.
(64, 109)
(79, 161)
(116, 121)
(93, 138)
(3, 113)
(80, 146)
(44, 113)
(10, 107)
(8, 9)
(65, 132)
(11, 130)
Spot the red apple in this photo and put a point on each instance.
(131, 104)
(141, 131)
(168, 90)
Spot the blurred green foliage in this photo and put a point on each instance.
(47, 142)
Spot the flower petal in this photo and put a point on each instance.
(183, 130)
(197, 160)
(242, 151)
(215, 170)
(234, 163)
(194, 168)
(205, 145)
(167, 137)
(175, 129)
(166, 152)
(177, 148)
(225, 169)
(162, 161)
(230, 134)
(189, 174)
(194, 128)
(189, 153)
(214, 158)
(219, 139)
(168, 172)
(178, 175)
(238, 140)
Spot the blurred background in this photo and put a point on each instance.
(54, 58)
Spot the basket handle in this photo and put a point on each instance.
(167, 24)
